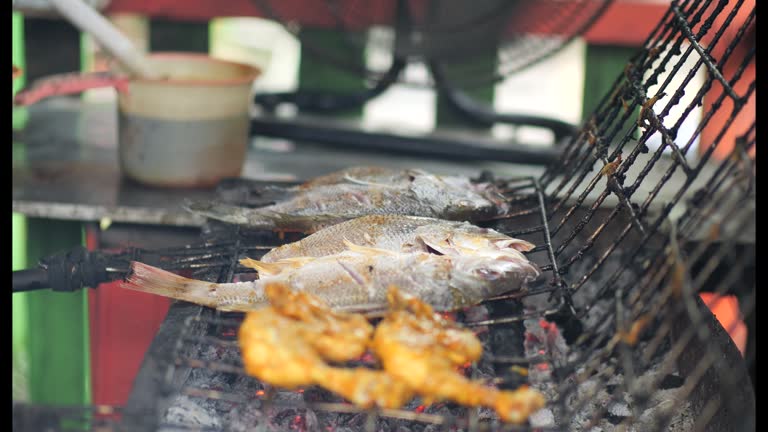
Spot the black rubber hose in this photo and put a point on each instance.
(485, 116)
(30, 280)
(325, 101)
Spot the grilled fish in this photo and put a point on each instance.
(338, 197)
(401, 234)
(355, 279)
(366, 175)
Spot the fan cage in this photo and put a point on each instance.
(525, 33)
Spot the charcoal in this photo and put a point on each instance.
(671, 381)
(597, 401)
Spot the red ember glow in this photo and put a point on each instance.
(420, 409)
(726, 310)
(367, 357)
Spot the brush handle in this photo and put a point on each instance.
(110, 38)
(29, 280)
(65, 84)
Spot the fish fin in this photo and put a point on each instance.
(442, 247)
(365, 250)
(265, 268)
(354, 274)
(296, 261)
(253, 218)
(516, 244)
(351, 179)
(153, 280)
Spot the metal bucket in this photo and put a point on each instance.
(189, 129)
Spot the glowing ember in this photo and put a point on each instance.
(450, 316)
(420, 409)
(260, 393)
(726, 310)
(542, 367)
(296, 423)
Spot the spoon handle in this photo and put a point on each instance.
(88, 20)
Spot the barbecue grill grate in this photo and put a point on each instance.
(631, 223)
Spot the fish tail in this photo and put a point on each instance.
(149, 279)
(240, 297)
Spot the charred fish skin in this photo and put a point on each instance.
(390, 232)
(400, 233)
(323, 203)
(353, 280)
(360, 175)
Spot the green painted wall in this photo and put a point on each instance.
(603, 65)
(50, 340)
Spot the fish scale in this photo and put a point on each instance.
(445, 282)
(395, 233)
(339, 197)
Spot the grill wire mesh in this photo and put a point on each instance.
(621, 270)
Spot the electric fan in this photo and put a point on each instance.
(465, 46)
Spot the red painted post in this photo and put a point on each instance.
(122, 326)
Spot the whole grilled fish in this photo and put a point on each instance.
(355, 279)
(400, 233)
(367, 175)
(327, 201)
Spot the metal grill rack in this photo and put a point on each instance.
(627, 233)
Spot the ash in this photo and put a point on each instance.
(577, 400)
(598, 400)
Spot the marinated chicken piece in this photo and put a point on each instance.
(335, 336)
(422, 350)
(284, 351)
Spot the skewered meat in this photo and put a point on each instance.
(422, 350)
(283, 350)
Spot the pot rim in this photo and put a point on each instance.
(251, 72)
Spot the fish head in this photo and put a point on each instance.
(484, 275)
(453, 197)
(492, 193)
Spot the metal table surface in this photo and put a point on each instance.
(65, 166)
